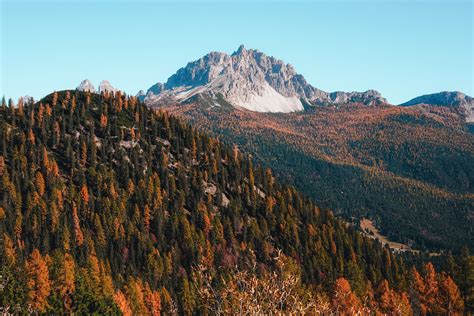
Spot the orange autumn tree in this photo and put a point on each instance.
(138, 298)
(39, 285)
(85, 194)
(344, 301)
(385, 295)
(152, 301)
(449, 298)
(122, 303)
(103, 120)
(434, 293)
(417, 290)
(77, 226)
(40, 183)
(431, 287)
(146, 218)
(391, 302)
(67, 284)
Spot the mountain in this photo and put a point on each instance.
(123, 209)
(86, 85)
(251, 80)
(352, 159)
(453, 99)
(106, 86)
(401, 167)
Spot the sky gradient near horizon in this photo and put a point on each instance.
(401, 48)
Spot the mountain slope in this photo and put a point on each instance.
(114, 209)
(249, 79)
(456, 100)
(409, 169)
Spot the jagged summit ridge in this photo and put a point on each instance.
(249, 79)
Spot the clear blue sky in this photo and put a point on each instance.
(401, 48)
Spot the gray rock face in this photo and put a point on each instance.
(453, 99)
(155, 89)
(252, 80)
(368, 96)
(86, 85)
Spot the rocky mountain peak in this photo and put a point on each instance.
(241, 50)
(252, 80)
(106, 86)
(86, 85)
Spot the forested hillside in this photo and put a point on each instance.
(110, 207)
(410, 170)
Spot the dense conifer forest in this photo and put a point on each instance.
(409, 170)
(110, 207)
